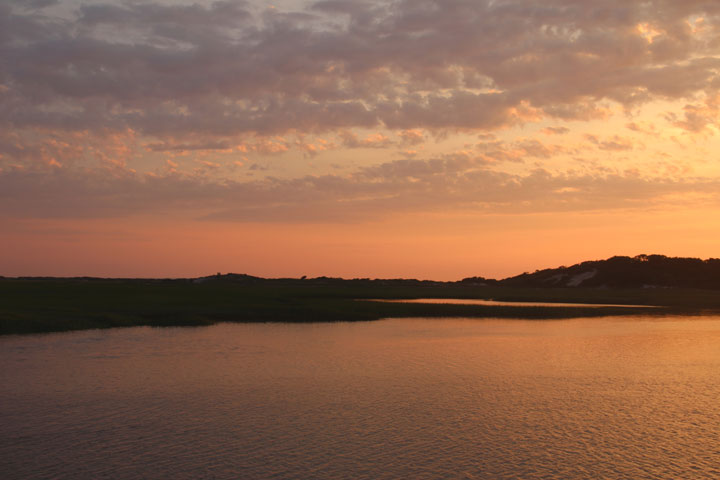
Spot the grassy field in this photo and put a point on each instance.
(50, 305)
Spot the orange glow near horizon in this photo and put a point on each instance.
(492, 246)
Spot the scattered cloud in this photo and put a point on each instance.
(555, 130)
(698, 117)
(614, 143)
(93, 97)
(518, 150)
(412, 137)
(376, 140)
(645, 128)
(458, 181)
(184, 147)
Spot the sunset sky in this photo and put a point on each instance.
(355, 138)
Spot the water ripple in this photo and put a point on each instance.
(474, 399)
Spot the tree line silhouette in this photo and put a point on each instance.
(626, 272)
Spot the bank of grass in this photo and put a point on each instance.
(52, 305)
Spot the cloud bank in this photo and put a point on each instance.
(233, 67)
(88, 89)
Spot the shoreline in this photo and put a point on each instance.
(54, 305)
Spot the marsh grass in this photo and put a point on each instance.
(49, 305)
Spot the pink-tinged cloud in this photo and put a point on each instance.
(456, 182)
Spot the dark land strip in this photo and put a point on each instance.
(35, 305)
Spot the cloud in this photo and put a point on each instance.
(412, 137)
(697, 117)
(184, 147)
(518, 151)
(33, 4)
(376, 140)
(458, 182)
(615, 143)
(88, 94)
(231, 68)
(642, 127)
(555, 130)
(311, 147)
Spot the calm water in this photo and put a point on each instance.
(466, 301)
(413, 398)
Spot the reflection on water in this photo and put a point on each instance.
(468, 301)
(411, 398)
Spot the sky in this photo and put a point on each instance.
(355, 138)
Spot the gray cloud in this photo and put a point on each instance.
(182, 147)
(229, 68)
(555, 130)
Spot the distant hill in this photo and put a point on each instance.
(642, 271)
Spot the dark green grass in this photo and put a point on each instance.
(47, 305)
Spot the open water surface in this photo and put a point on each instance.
(467, 301)
(613, 398)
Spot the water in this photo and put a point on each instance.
(415, 398)
(467, 301)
